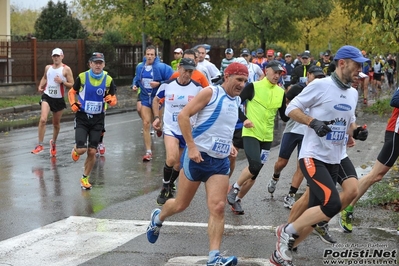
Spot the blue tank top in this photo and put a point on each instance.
(92, 97)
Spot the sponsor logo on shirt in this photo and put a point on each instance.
(342, 107)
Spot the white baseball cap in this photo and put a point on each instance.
(179, 50)
(207, 56)
(57, 51)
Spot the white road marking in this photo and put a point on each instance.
(61, 243)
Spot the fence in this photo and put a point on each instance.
(25, 60)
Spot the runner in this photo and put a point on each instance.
(56, 77)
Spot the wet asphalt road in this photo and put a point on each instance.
(36, 190)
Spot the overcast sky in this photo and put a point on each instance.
(33, 4)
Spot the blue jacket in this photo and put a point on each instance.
(161, 71)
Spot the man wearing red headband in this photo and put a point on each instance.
(206, 157)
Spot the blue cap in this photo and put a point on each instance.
(260, 51)
(350, 52)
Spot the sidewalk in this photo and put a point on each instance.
(126, 102)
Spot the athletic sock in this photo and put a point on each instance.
(293, 190)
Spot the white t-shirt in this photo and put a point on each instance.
(176, 97)
(326, 102)
(212, 69)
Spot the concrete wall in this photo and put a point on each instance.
(5, 17)
(15, 89)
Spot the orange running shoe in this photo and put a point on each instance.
(75, 156)
(38, 149)
(53, 148)
(84, 182)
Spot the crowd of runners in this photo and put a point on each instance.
(206, 114)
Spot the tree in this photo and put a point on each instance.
(21, 21)
(166, 22)
(57, 23)
(268, 21)
(383, 15)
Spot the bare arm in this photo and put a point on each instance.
(68, 76)
(299, 116)
(43, 81)
(155, 110)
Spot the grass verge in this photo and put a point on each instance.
(19, 100)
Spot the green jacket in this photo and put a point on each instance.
(262, 109)
(174, 64)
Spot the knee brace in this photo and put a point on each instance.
(254, 168)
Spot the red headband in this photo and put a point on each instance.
(237, 69)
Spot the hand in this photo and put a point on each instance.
(233, 152)
(111, 100)
(58, 79)
(360, 133)
(156, 124)
(76, 107)
(247, 123)
(195, 155)
(320, 127)
(134, 87)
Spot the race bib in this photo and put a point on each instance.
(303, 79)
(93, 107)
(220, 147)
(264, 154)
(146, 83)
(52, 90)
(174, 116)
(337, 134)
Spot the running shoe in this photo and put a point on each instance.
(289, 200)
(101, 149)
(147, 157)
(271, 187)
(159, 133)
(163, 196)
(74, 155)
(38, 149)
(152, 131)
(231, 196)
(276, 259)
(345, 221)
(285, 243)
(84, 182)
(219, 260)
(153, 228)
(173, 187)
(321, 229)
(236, 208)
(364, 101)
(53, 148)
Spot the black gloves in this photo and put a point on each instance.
(360, 133)
(320, 127)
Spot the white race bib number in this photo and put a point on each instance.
(93, 107)
(264, 154)
(337, 134)
(146, 83)
(220, 147)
